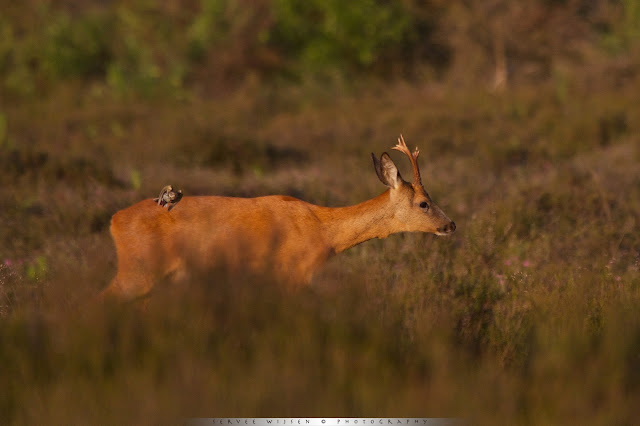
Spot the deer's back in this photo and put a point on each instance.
(276, 233)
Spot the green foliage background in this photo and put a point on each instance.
(527, 118)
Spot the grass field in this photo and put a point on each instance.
(529, 313)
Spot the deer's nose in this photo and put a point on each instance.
(448, 228)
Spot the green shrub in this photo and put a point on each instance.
(78, 47)
(352, 37)
(336, 32)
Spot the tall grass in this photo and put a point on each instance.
(526, 314)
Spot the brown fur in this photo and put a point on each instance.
(281, 236)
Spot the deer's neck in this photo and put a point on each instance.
(345, 227)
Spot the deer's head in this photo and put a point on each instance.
(414, 209)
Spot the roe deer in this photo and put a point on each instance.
(281, 236)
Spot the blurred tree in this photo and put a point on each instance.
(501, 41)
(151, 48)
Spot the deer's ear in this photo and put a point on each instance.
(387, 171)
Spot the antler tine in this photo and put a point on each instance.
(402, 147)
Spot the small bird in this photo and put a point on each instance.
(168, 197)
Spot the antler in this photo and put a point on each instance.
(402, 147)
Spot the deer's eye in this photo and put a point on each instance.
(424, 205)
